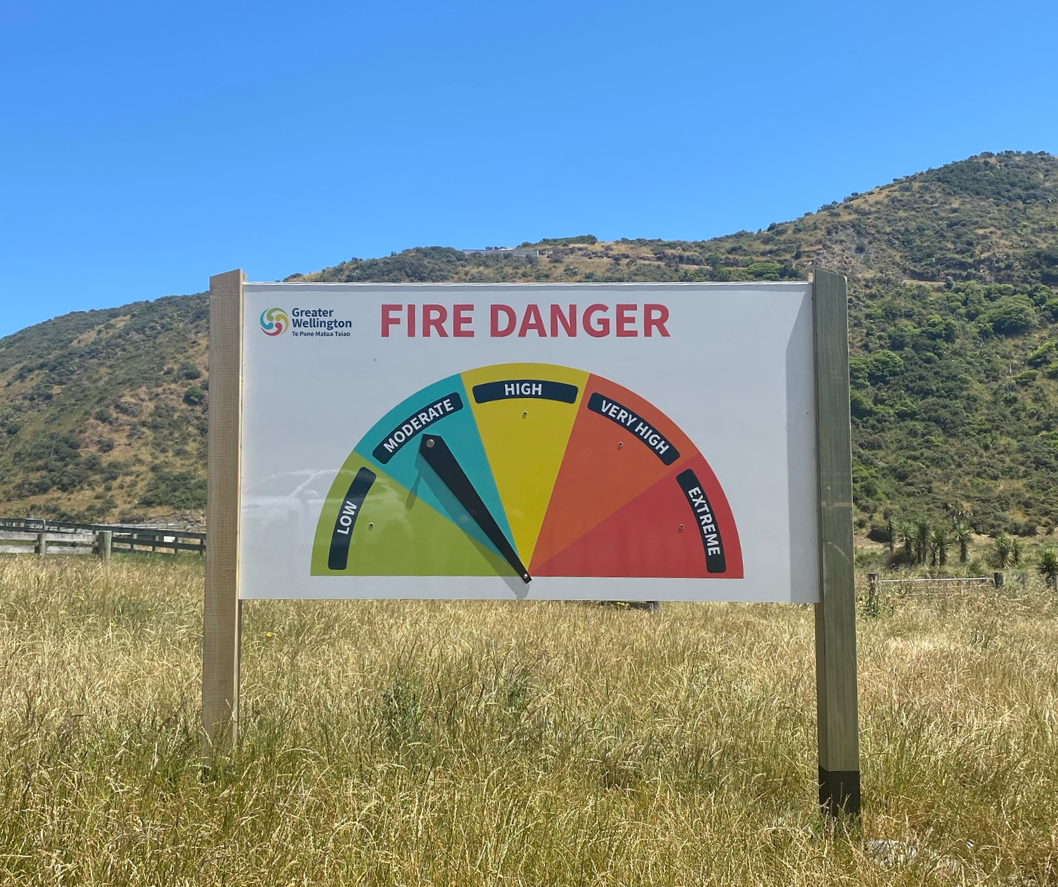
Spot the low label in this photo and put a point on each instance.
(338, 556)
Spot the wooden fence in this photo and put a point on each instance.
(951, 589)
(19, 542)
(35, 536)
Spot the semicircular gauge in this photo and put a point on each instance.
(526, 469)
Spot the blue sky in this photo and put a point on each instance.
(145, 146)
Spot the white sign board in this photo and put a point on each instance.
(590, 441)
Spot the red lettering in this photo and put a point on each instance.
(654, 316)
(388, 319)
(569, 324)
(503, 320)
(603, 326)
(461, 319)
(625, 319)
(494, 320)
(532, 320)
(433, 318)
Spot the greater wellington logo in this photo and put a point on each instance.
(319, 323)
(274, 321)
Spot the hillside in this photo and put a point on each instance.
(953, 279)
(102, 413)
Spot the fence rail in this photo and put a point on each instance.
(55, 537)
(37, 525)
(990, 579)
(874, 581)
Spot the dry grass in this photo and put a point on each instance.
(428, 743)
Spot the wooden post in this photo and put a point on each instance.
(104, 544)
(42, 544)
(872, 593)
(222, 610)
(836, 694)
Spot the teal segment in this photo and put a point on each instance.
(460, 432)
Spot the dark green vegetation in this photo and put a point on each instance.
(953, 278)
(102, 413)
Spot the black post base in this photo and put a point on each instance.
(839, 792)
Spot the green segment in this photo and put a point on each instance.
(398, 534)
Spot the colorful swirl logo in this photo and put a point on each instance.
(274, 321)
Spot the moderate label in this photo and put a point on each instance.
(715, 562)
(418, 421)
(338, 555)
(536, 388)
(646, 433)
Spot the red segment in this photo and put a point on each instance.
(605, 466)
(643, 539)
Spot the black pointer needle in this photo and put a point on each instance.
(437, 455)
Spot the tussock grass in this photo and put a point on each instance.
(405, 743)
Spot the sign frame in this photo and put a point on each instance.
(835, 614)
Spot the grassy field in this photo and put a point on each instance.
(406, 743)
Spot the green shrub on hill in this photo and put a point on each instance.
(182, 490)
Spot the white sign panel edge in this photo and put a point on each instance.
(734, 370)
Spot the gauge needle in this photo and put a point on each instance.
(437, 455)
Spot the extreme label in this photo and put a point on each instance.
(624, 417)
(715, 562)
(538, 388)
(338, 556)
(416, 422)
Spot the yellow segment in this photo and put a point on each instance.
(525, 439)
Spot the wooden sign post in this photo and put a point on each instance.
(222, 614)
(836, 694)
(464, 392)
